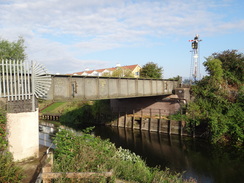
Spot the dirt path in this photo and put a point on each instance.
(32, 166)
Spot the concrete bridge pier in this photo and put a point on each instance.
(23, 135)
(23, 129)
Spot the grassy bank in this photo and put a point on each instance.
(78, 114)
(50, 107)
(91, 154)
(87, 153)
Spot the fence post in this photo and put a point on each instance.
(48, 167)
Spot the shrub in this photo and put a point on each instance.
(87, 153)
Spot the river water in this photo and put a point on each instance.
(196, 157)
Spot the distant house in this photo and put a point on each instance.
(135, 70)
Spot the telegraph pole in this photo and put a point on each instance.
(195, 65)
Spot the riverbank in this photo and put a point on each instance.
(97, 155)
(195, 157)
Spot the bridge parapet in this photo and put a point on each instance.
(66, 87)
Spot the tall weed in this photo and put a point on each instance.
(87, 153)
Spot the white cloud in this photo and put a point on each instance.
(96, 25)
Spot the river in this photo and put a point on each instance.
(196, 157)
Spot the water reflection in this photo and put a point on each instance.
(196, 157)
(46, 136)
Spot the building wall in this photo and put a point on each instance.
(137, 70)
(23, 134)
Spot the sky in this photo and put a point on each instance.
(74, 35)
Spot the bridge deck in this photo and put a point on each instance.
(67, 87)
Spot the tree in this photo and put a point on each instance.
(177, 78)
(120, 72)
(219, 98)
(151, 70)
(12, 50)
(233, 66)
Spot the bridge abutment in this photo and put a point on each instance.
(166, 105)
(23, 134)
(22, 128)
(151, 113)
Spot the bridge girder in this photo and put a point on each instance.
(69, 87)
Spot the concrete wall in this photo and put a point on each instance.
(183, 94)
(66, 87)
(23, 134)
(155, 105)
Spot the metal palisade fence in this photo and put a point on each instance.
(20, 80)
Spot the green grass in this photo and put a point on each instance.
(52, 108)
(59, 107)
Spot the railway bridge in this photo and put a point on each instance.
(21, 85)
(73, 87)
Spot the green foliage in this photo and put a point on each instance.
(9, 172)
(177, 78)
(88, 114)
(233, 66)
(214, 68)
(219, 99)
(78, 117)
(86, 153)
(151, 70)
(3, 133)
(120, 72)
(12, 50)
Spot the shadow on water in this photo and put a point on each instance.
(196, 157)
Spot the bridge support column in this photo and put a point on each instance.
(23, 134)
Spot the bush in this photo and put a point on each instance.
(86, 153)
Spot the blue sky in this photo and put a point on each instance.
(70, 36)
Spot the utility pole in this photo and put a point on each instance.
(195, 62)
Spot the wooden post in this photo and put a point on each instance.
(141, 119)
(159, 121)
(180, 128)
(47, 176)
(125, 119)
(50, 158)
(133, 120)
(118, 119)
(47, 168)
(169, 127)
(150, 120)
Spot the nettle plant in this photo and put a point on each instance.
(127, 155)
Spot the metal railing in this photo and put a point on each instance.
(21, 81)
(15, 80)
